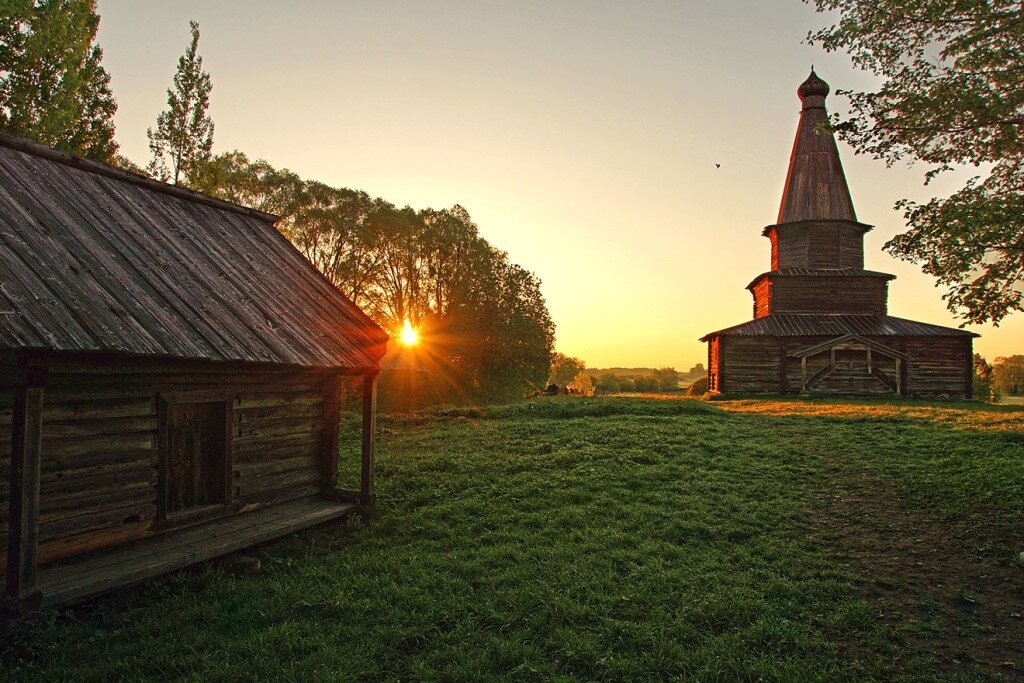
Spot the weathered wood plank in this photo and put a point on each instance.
(108, 517)
(59, 450)
(100, 409)
(161, 555)
(274, 400)
(366, 488)
(109, 426)
(23, 520)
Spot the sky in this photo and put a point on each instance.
(582, 136)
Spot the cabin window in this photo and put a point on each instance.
(195, 456)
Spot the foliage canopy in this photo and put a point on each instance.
(952, 94)
(53, 88)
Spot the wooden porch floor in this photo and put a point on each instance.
(75, 580)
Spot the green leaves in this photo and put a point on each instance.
(952, 94)
(53, 88)
(183, 139)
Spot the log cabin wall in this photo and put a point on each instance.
(939, 366)
(750, 365)
(762, 291)
(714, 364)
(807, 294)
(100, 446)
(6, 415)
(810, 244)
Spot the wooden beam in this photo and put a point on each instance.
(803, 373)
(899, 376)
(331, 431)
(366, 496)
(22, 538)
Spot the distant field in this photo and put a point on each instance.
(614, 539)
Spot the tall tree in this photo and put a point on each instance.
(53, 88)
(183, 139)
(951, 94)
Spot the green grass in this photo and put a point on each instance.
(609, 539)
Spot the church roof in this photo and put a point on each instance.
(816, 186)
(835, 325)
(821, 272)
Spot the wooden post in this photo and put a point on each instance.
(899, 376)
(803, 372)
(366, 496)
(26, 440)
(332, 428)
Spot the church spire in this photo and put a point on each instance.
(815, 185)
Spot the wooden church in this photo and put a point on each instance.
(821, 324)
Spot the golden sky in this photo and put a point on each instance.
(582, 137)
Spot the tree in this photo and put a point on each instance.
(608, 384)
(668, 379)
(564, 368)
(53, 88)
(982, 385)
(951, 95)
(256, 184)
(183, 139)
(1008, 375)
(582, 384)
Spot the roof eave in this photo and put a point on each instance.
(865, 227)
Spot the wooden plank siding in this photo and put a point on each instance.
(813, 244)
(937, 367)
(100, 447)
(820, 294)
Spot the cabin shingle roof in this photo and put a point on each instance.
(95, 259)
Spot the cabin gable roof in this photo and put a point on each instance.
(98, 260)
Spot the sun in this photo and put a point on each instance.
(410, 337)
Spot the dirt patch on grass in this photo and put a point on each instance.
(955, 592)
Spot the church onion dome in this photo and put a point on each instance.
(813, 87)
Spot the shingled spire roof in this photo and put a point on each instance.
(815, 185)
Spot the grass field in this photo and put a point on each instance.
(614, 539)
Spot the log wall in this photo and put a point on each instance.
(938, 366)
(100, 447)
(812, 294)
(817, 245)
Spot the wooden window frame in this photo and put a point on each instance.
(205, 512)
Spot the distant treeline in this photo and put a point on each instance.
(570, 372)
(694, 372)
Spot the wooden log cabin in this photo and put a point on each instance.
(170, 369)
(821, 324)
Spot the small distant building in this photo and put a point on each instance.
(170, 371)
(821, 324)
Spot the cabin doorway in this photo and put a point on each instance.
(195, 458)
